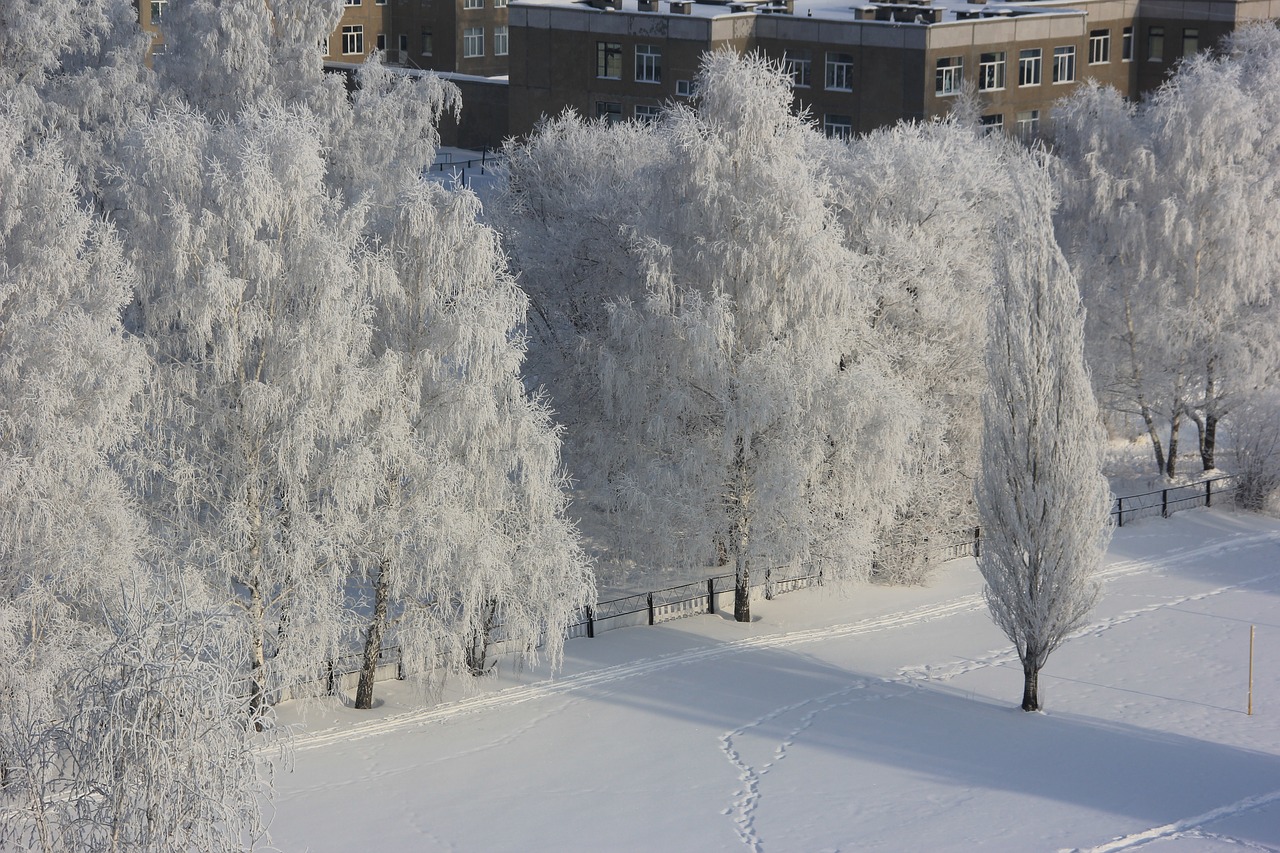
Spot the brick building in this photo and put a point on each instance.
(862, 66)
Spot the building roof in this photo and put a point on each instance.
(903, 12)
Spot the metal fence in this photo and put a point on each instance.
(1165, 502)
(715, 593)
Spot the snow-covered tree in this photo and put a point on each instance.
(88, 648)
(251, 295)
(757, 427)
(1167, 219)
(920, 203)
(1042, 500)
(459, 470)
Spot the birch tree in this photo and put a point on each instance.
(1042, 500)
(760, 428)
(468, 537)
(251, 295)
(102, 683)
(921, 202)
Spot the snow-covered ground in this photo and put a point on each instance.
(873, 719)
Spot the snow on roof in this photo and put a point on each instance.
(901, 12)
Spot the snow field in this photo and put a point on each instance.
(881, 720)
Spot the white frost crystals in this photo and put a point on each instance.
(1042, 499)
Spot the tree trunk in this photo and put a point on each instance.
(1030, 687)
(478, 644)
(373, 640)
(1210, 439)
(258, 664)
(1156, 445)
(740, 534)
(1171, 462)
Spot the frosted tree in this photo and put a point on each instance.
(468, 536)
(89, 652)
(69, 536)
(251, 294)
(1042, 500)
(920, 202)
(565, 210)
(758, 427)
(1166, 217)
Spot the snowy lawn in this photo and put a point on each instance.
(876, 719)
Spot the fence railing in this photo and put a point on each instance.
(1165, 502)
(715, 594)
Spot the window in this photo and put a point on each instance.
(403, 43)
(609, 60)
(473, 42)
(1126, 44)
(1099, 46)
(1028, 125)
(684, 88)
(648, 64)
(1155, 44)
(499, 4)
(353, 39)
(381, 41)
(353, 2)
(647, 113)
(473, 4)
(1029, 67)
(1190, 42)
(992, 123)
(840, 72)
(157, 10)
(380, 2)
(991, 71)
(837, 126)
(950, 75)
(798, 65)
(1064, 64)
(500, 40)
(609, 110)
(426, 42)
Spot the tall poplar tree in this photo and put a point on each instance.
(1042, 499)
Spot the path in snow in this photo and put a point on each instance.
(747, 798)
(648, 666)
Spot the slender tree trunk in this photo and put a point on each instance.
(478, 645)
(258, 671)
(1209, 429)
(373, 639)
(1210, 439)
(257, 611)
(1135, 365)
(1030, 686)
(1175, 424)
(1156, 444)
(740, 534)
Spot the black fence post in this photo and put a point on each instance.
(650, 608)
(1119, 512)
(711, 595)
(977, 542)
(329, 667)
(1164, 503)
(1208, 492)
(591, 623)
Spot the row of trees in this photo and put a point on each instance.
(1168, 220)
(262, 400)
(266, 393)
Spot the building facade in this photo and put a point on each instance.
(858, 67)
(459, 36)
